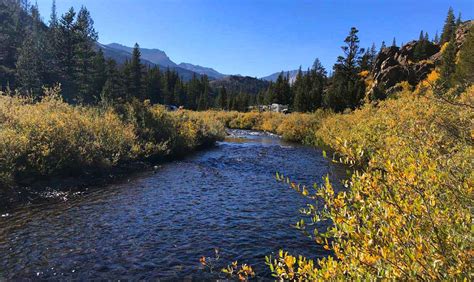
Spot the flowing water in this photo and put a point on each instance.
(157, 224)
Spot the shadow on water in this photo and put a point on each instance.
(158, 224)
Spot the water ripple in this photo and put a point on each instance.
(159, 224)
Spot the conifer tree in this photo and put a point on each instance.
(449, 27)
(221, 101)
(436, 38)
(203, 103)
(53, 45)
(193, 93)
(394, 42)
(458, 20)
(465, 67)
(113, 90)
(31, 63)
(317, 83)
(299, 89)
(135, 79)
(84, 56)
(153, 86)
(448, 63)
(12, 33)
(364, 61)
(420, 50)
(347, 89)
(64, 51)
(372, 56)
(282, 91)
(99, 74)
(179, 93)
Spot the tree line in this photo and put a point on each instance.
(65, 50)
(34, 54)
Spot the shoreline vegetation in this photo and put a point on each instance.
(413, 160)
(401, 117)
(412, 154)
(50, 138)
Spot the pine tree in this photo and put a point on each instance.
(135, 80)
(83, 56)
(448, 63)
(53, 20)
(193, 93)
(347, 88)
(420, 50)
(282, 91)
(364, 61)
(54, 74)
(203, 103)
(113, 90)
(300, 104)
(317, 83)
(99, 74)
(458, 20)
(382, 46)
(465, 67)
(436, 38)
(170, 79)
(373, 56)
(179, 93)
(449, 27)
(394, 43)
(64, 51)
(153, 86)
(13, 20)
(31, 63)
(221, 101)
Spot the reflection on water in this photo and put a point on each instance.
(157, 225)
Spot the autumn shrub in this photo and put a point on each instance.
(297, 127)
(407, 213)
(49, 137)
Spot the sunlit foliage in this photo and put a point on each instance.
(407, 213)
(50, 136)
(406, 210)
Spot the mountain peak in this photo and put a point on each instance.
(202, 70)
(156, 56)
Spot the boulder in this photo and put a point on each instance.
(394, 65)
(462, 32)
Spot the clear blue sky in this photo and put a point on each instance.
(259, 37)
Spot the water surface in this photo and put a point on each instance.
(158, 224)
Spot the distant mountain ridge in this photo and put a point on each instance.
(202, 70)
(291, 74)
(157, 57)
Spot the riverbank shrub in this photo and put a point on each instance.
(49, 137)
(407, 211)
(296, 127)
(407, 214)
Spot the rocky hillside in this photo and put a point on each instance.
(394, 64)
